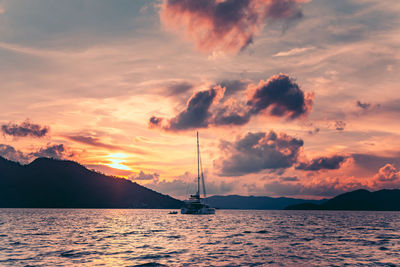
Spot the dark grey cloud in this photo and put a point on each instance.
(229, 24)
(197, 111)
(51, 151)
(340, 125)
(196, 114)
(256, 152)
(155, 122)
(233, 86)
(322, 163)
(24, 129)
(12, 154)
(228, 115)
(289, 179)
(281, 96)
(362, 105)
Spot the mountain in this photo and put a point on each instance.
(255, 203)
(361, 199)
(50, 183)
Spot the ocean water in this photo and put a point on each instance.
(129, 237)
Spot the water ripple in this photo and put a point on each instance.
(52, 237)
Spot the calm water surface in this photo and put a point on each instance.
(65, 237)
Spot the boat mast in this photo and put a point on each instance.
(198, 167)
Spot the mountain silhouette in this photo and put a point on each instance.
(255, 202)
(384, 200)
(51, 183)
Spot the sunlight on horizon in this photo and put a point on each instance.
(117, 161)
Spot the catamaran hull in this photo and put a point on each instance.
(198, 211)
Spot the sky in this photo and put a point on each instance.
(296, 98)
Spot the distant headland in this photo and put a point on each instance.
(51, 183)
(382, 200)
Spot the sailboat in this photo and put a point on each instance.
(195, 204)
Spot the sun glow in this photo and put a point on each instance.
(117, 161)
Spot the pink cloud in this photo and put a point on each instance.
(225, 25)
(387, 177)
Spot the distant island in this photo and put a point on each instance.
(256, 202)
(51, 183)
(382, 200)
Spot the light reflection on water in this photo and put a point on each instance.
(229, 238)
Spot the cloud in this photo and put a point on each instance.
(289, 179)
(12, 154)
(256, 152)
(281, 96)
(24, 129)
(93, 141)
(50, 151)
(294, 51)
(340, 125)
(231, 115)
(362, 105)
(155, 122)
(313, 131)
(373, 162)
(144, 176)
(388, 177)
(322, 163)
(227, 25)
(196, 114)
(233, 86)
(177, 88)
(181, 188)
(388, 173)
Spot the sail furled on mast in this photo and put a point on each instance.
(198, 166)
(202, 178)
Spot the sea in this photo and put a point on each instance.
(139, 237)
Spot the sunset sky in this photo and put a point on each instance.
(295, 98)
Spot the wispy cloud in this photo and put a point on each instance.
(294, 51)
